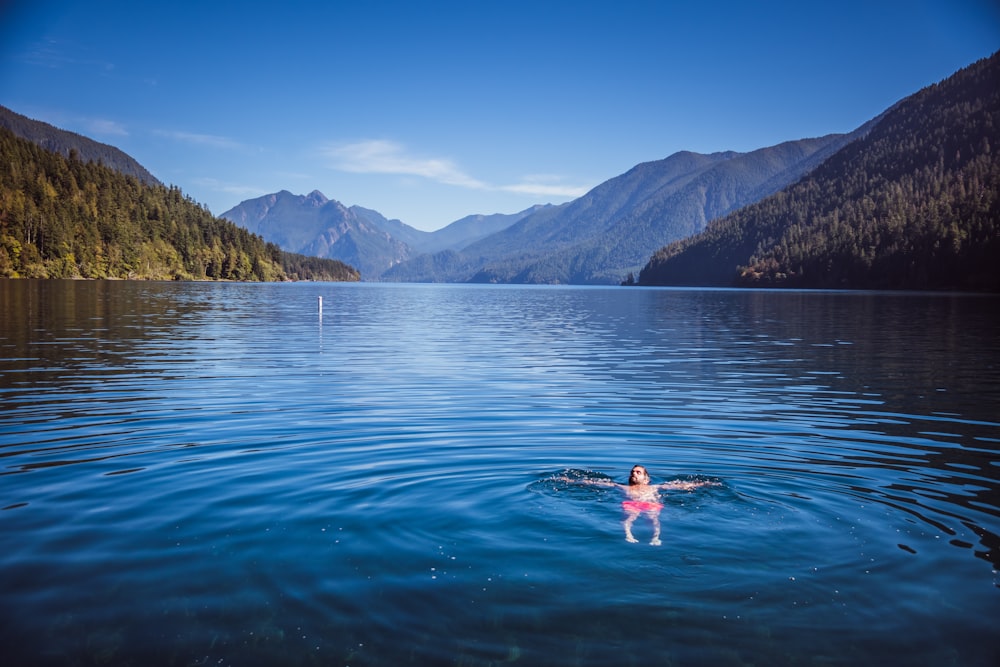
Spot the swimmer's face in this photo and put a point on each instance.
(638, 476)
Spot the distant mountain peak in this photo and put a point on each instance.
(318, 197)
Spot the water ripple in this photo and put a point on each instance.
(211, 472)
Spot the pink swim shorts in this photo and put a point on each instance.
(641, 506)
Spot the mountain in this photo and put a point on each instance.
(314, 225)
(914, 204)
(61, 217)
(612, 230)
(63, 142)
(473, 228)
(454, 236)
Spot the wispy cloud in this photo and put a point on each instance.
(210, 140)
(106, 127)
(379, 156)
(545, 187)
(85, 125)
(230, 188)
(52, 54)
(386, 157)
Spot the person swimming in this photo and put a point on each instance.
(641, 497)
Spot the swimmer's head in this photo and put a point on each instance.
(639, 475)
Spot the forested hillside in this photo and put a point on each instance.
(62, 217)
(913, 205)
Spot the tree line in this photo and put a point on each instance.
(61, 217)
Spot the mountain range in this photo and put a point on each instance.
(363, 238)
(612, 230)
(598, 238)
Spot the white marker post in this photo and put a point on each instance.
(321, 308)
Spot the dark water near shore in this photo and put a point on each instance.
(210, 474)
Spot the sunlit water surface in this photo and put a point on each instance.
(214, 474)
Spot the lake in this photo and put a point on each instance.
(215, 474)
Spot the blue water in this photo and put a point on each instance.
(213, 474)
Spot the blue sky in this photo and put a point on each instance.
(430, 111)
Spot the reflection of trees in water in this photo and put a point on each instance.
(89, 325)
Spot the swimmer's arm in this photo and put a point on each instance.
(589, 482)
(686, 486)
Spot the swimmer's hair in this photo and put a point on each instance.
(640, 467)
